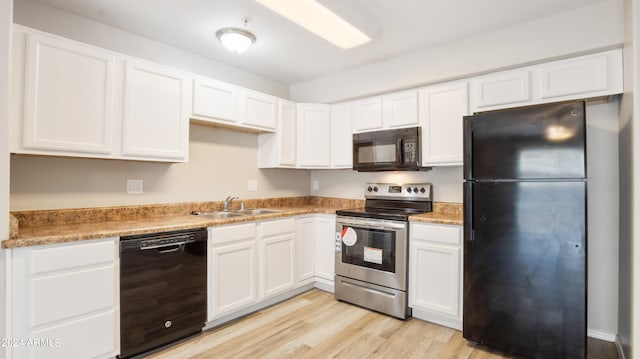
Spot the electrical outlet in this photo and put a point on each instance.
(316, 185)
(252, 185)
(134, 186)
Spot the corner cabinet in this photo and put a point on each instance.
(156, 109)
(442, 108)
(341, 138)
(278, 150)
(435, 273)
(59, 293)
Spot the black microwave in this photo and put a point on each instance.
(388, 150)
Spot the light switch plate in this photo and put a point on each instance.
(316, 185)
(134, 186)
(252, 185)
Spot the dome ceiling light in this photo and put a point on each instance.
(236, 40)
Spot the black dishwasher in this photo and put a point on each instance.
(163, 288)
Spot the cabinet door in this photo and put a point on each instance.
(68, 97)
(325, 247)
(216, 100)
(157, 104)
(341, 136)
(367, 114)
(400, 109)
(441, 110)
(287, 133)
(234, 282)
(41, 280)
(259, 110)
(435, 283)
(306, 249)
(511, 88)
(314, 131)
(278, 271)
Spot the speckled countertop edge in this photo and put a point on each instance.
(445, 213)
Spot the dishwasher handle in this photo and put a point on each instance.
(166, 242)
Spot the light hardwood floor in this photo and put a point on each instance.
(315, 325)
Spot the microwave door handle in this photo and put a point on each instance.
(399, 152)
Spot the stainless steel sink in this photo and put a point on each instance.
(218, 214)
(237, 213)
(257, 211)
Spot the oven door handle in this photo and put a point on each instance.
(375, 225)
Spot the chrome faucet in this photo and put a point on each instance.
(227, 202)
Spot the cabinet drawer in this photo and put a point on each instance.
(98, 342)
(72, 256)
(226, 234)
(71, 294)
(436, 233)
(278, 227)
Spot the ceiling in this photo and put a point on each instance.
(287, 53)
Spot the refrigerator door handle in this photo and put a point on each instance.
(468, 147)
(469, 230)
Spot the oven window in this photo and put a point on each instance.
(373, 248)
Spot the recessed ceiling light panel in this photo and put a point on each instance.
(319, 20)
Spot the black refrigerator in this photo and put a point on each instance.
(525, 230)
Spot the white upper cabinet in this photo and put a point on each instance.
(68, 104)
(279, 149)
(367, 114)
(215, 101)
(400, 109)
(258, 110)
(157, 105)
(442, 108)
(504, 88)
(314, 131)
(341, 136)
(581, 77)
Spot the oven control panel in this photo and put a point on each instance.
(413, 191)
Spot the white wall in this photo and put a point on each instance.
(629, 149)
(45, 18)
(220, 164)
(587, 29)
(447, 182)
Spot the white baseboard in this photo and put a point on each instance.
(607, 337)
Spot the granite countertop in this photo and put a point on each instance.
(59, 226)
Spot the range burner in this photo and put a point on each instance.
(393, 201)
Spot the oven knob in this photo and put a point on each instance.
(409, 189)
(375, 189)
(369, 189)
(422, 190)
(415, 189)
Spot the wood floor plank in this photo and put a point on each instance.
(315, 325)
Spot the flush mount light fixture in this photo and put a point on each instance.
(235, 39)
(319, 20)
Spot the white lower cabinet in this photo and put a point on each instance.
(59, 293)
(232, 268)
(277, 256)
(435, 273)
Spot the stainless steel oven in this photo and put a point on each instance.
(372, 247)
